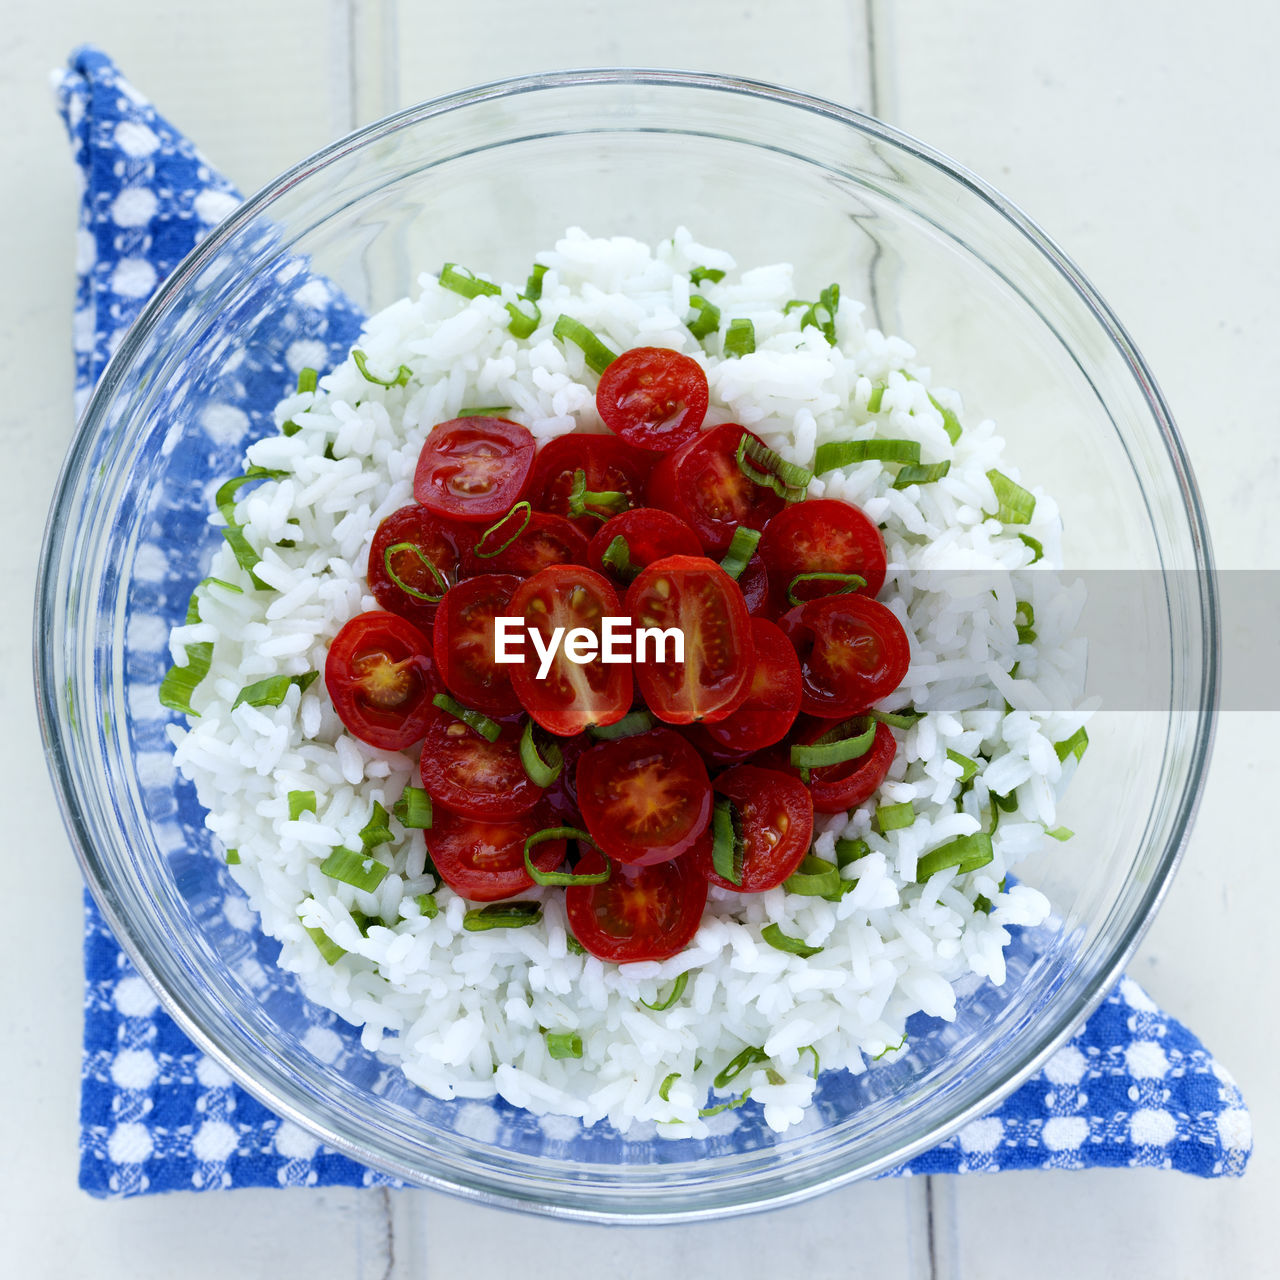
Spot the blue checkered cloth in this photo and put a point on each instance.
(1133, 1088)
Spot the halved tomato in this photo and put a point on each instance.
(609, 465)
(773, 696)
(650, 535)
(545, 540)
(822, 536)
(471, 775)
(653, 398)
(464, 643)
(483, 859)
(838, 787)
(473, 469)
(408, 545)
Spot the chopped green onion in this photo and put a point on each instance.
(1036, 546)
(632, 723)
(850, 850)
(246, 557)
(573, 946)
(982, 903)
(950, 423)
(1016, 505)
(664, 1089)
(1024, 618)
(741, 549)
(353, 868)
(794, 305)
(430, 597)
(893, 817)
(488, 729)
(784, 942)
(740, 338)
(762, 466)
(232, 857)
(1072, 746)
(814, 878)
(898, 719)
(218, 582)
(308, 379)
(700, 274)
(525, 315)
(703, 317)
(583, 501)
(502, 915)
(817, 1062)
(403, 374)
(747, 1058)
(827, 750)
(774, 1077)
(289, 428)
(375, 831)
(731, 1105)
(301, 802)
(822, 314)
(617, 556)
(926, 474)
(329, 949)
(533, 287)
(428, 907)
(413, 809)
(598, 356)
(271, 691)
(728, 847)
(965, 853)
(1006, 804)
(462, 281)
(844, 453)
(564, 1044)
(968, 768)
(848, 582)
(180, 683)
(225, 498)
(876, 397)
(1059, 833)
(526, 509)
(563, 877)
(484, 411)
(542, 773)
(890, 1048)
(677, 990)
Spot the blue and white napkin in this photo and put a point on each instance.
(1133, 1088)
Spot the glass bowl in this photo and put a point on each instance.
(487, 177)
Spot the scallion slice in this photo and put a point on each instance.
(848, 582)
(968, 768)
(844, 453)
(525, 511)
(428, 907)
(740, 338)
(375, 831)
(357, 869)
(403, 374)
(582, 500)
(617, 556)
(664, 1089)
(563, 877)
(1072, 746)
(484, 411)
(1007, 803)
(926, 474)
(700, 274)
(898, 719)
(850, 849)
(784, 942)
(950, 423)
(525, 315)
(1016, 505)
(465, 282)
(271, 691)
(828, 751)
(413, 809)
(308, 379)
(741, 549)
(677, 990)
(329, 949)
(542, 772)
(732, 1105)
(573, 946)
(598, 355)
(890, 1048)
(893, 817)
(1024, 618)
(488, 729)
(502, 915)
(738, 1064)
(1037, 547)
(232, 857)
(876, 398)
(1059, 833)
(226, 586)
(227, 493)
(814, 878)
(431, 597)
(703, 317)
(965, 853)
(821, 315)
(728, 847)
(180, 683)
(564, 1044)
(301, 802)
(246, 557)
(632, 723)
(533, 287)
(817, 1062)
(762, 466)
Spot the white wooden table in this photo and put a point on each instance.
(1143, 137)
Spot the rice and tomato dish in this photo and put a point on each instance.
(611, 690)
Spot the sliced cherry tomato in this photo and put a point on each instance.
(697, 597)
(702, 484)
(650, 535)
(653, 398)
(474, 469)
(573, 695)
(639, 913)
(773, 697)
(852, 651)
(483, 859)
(428, 538)
(608, 464)
(645, 799)
(822, 536)
(463, 637)
(753, 582)
(473, 776)
(775, 816)
(839, 787)
(381, 678)
(545, 540)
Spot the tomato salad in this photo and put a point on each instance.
(633, 787)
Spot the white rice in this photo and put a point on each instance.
(465, 1013)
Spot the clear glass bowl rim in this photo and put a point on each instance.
(1050, 1035)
